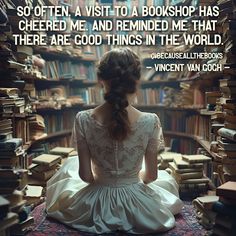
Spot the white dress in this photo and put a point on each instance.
(118, 199)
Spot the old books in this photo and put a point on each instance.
(203, 205)
(196, 158)
(43, 168)
(166, 158)
(4, 207)
(227, 189)
(62, 151)
(189, 174)
(33, 194)
(225, 209)
(47, 159)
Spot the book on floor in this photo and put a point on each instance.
(10, 220)
(4, 207)
(227, 189)
(196, 158)
(63, 151)
(182, 164)
(47, 159)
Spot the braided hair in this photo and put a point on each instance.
(121, 68)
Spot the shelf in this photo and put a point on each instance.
(153, 107)
(205, 112)
(55, 82)
(157, 83)
(62, 55)
(204, 143)
(178, 134)
(49, 109)
(48, 137)
(197, 77)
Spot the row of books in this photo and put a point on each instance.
(179, 121)
(55, 98)
(59, 122)
(91, 95)
(56, 70)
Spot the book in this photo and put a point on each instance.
(223, 209)
(196, 158)
(33, 193)
(169, 156)
(208, 200)
(4, 207)
(47, 159)
(230, 119)
(63, 151)
(11, 144)
(182, 164)
(41, 168)
(175, 169)
(193, 181)
(9, 92)
(45, 175)
(227, 145)
(190, 175)
(229, 125)
(10, 220)
(227, 189)
(22, 227)
(227, 153)
(227, 133)
(227, 82)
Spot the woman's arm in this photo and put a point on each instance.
(150, 173)
(85, 169)
(79, 141)
(154, 147)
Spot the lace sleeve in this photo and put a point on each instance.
(78, 135)
(156, 142)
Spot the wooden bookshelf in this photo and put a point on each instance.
(203, 143)
(62, 55)
(47, 138)
(52, 110)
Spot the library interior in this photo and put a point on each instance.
(190, 87)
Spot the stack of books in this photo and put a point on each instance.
(224, 121)
(6, 129)
(37, 127)
(188, 170)
(12, 153)
(211, 99)
(225, 209)
(64, 152)
(13, 182)
(43, 168)
(206, 217)
(10, 102)
(166, 158)
(227, 152)
(7, 218)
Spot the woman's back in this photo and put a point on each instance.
(113, 158)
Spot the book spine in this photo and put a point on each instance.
(227, 133)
